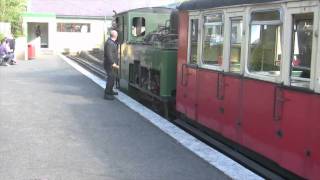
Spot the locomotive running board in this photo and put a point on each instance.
(240, 158)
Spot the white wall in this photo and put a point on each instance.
(20, 51)
(77, 41)
(5, 28)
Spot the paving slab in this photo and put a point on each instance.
(55, 125)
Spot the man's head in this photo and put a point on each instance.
(114, 35)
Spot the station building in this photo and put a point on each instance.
(72, 25)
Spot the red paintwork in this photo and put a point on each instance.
(31, 51)
(182, 59)
(190, 94)
(208, 104)
(252, 113)
(295, 125)
(259, 128)
(313, 168)
(232, 108)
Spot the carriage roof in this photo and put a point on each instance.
(206, 4)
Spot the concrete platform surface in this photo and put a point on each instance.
(55, 125)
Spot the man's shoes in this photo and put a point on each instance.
(108, 97)
(13, 62)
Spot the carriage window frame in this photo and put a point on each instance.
(240, 19)
(201, 48)
(191, 18)
(301, 82)
(248, 26)
(316, 76)
(315, 61)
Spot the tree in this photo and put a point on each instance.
(10, 11)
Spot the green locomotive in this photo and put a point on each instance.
(148, 53)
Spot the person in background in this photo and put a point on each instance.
(38, 31)
(110, 62)
(4, 53)
(11, 48)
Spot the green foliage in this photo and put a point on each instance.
(10, 11)
(1, 36)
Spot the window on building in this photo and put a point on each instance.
(193, 44)
(265, 43)
(73, 27)
(301, 53)
(236, 40)
(212, 51)
(138, 26)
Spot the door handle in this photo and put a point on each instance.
(184, 80)
(278, 103)
(220, 86)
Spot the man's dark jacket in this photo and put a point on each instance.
(110, 53)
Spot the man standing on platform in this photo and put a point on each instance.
(110, 62)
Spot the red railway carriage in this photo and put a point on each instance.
(249, 71)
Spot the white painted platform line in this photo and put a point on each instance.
(231, 168)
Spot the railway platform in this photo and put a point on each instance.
(55, 125)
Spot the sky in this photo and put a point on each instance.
(91, 7)
(160, 2)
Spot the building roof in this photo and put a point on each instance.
(157, 10)
(206, 4)
(89, 7)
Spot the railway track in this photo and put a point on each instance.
(208, 138)
(92, 67)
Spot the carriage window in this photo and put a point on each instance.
(138, 26)
(301, 49)
(265, 43)
(193, 54)
(235, 50)
(213, 40)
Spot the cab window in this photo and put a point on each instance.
(265, 43)
(138, 26)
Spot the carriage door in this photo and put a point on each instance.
(299, 110)
(189, 71)
(233, 79)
